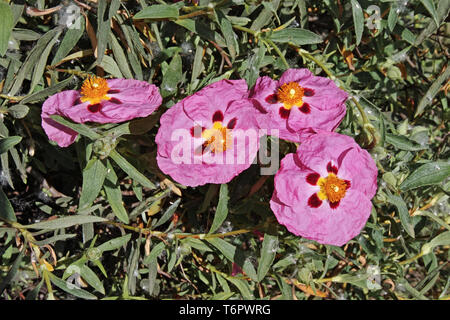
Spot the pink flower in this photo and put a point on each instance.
(210, 136)
(298, 104)
(101, 101)
(323, 191)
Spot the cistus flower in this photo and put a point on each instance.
(298, 104)
(210, 136)
(323, 191)
(101, 101)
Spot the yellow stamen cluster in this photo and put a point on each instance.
(94, 90)
(331, 188)
(218, 138)
(291, 94)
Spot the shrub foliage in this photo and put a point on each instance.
(98, 220)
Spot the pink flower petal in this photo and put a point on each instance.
(200, 165)
(295, 201)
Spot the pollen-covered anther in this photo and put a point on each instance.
(218, 138)
(332, 188)
(291, 94)
(94, 90)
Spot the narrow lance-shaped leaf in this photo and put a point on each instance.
(297, 36)
(234, 255)
(130, 170)
(6, 210)
(427, 174)
(268, 252)
(158, 11)
(222, 208)
(70, 288)
(8, 143)
(93, 177)
(358, 20)
(114, 243)
(114, 194)
(64, 222)
(168, 213)
(403, 213)
(6, 26)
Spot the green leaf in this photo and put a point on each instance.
(78, 127)
(58, 237)
(12, 272)
(6, 26)
(6, 210)
(64, 222)
(39, 69)
(32, 59)
(222, 208)
(93, 177)
(8, 143)
(429, 5)
(427, 99)
(154, 253)
(70, 288)
(222, 296)
(427, 174)
(120, 57)
(115, 243)
(356, 280)
(234, 255)
(393, 17)
(18, 111)
(268, 252)
(403, 213)
(158, 11)
(358, 20)
(196, 244)
(42, 94)
(71, 38)
(168, 214)
(229, 35)
(243, 288)
(297, 36)
(172, 77)
(403, 143)
(91, 278)
(110, 66)
(130, 170)
(114, 194)
(441, 240)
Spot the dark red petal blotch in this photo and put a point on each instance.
(217, 116)
(334, 205)
(332, 168)
(314, 201)
(312, 178)
(284, 113)
(272, 99)
(305, 108)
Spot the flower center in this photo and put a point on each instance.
(291, 94)
(218, 138)
(94, 90)
(332, 188)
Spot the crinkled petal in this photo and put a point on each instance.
(214, 97)
(184, 160)
(319, 149)
(291, 181)
(62, 135)
(133, 99)
(323, 224)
